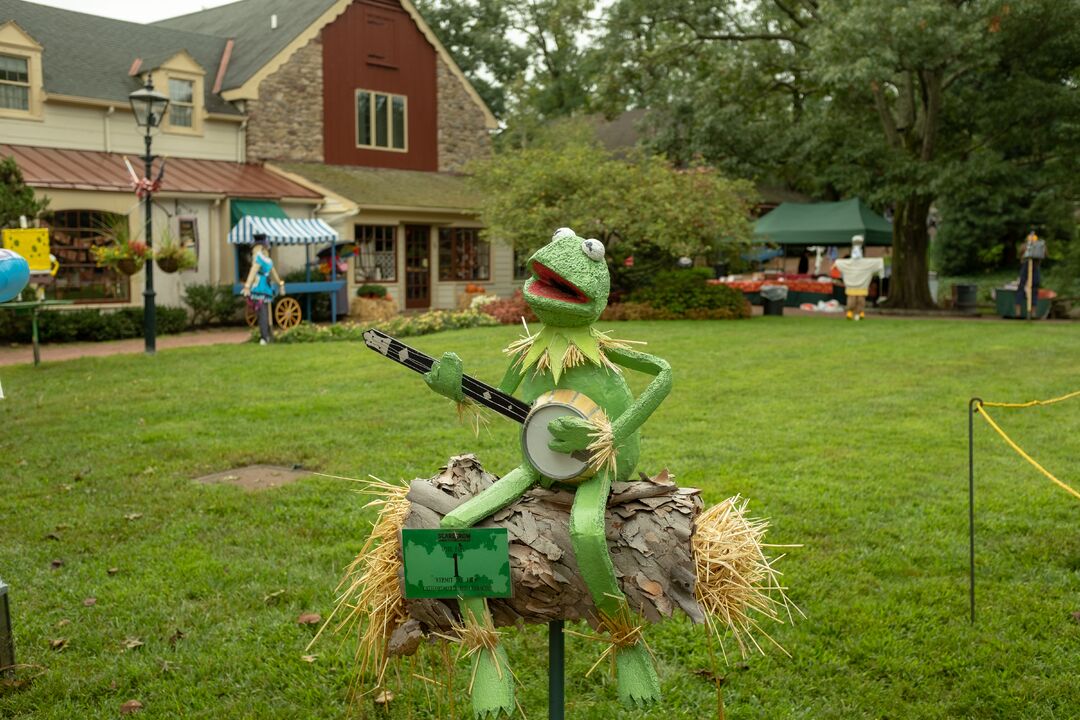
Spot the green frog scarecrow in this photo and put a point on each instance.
(570, 362)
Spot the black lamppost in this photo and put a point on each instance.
(149, 108)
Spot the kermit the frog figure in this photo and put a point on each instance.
(568, 290)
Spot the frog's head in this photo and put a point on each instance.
(570, 282)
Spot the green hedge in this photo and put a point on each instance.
(88, 325)
(401, 326)
(213, 304)
(687, 293)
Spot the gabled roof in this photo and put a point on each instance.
(89, 56)
(248, 21)
(378, 188)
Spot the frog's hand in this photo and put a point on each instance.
(646, 403)
(445, 377)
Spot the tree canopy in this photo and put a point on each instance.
(16, 197)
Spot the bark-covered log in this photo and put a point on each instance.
(649, 525)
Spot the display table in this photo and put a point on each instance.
(799, 290)
(34, 306)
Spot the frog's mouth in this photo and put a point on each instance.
(550, 284)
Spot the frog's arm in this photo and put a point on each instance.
(650, 399)
(512, 379)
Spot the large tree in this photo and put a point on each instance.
(902, 103)
(640, 206)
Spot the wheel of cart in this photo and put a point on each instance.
(285, 312)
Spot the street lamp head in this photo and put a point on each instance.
(148, 105)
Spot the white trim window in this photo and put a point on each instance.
(382, 121)
(181, 102)
(14, 82)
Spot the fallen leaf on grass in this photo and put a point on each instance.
(113, 571)
(58, 643)
(52, 536)
(273, 596)
(384, 698)
(711, 676)
(62, 526)
(308, 658)
(132, 516)
(89, 602)
(1076, 616)
(309, 619)
(131, 706)
(57, 563)
(63, 622)
(65, 488)
(176, 637)
(166, 666)
(132, 643)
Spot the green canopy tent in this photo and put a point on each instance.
(822, 224)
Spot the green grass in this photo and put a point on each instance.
(852, 437)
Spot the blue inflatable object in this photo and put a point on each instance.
(14, 274)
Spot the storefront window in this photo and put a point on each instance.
(376, 257)
(463, 255)
(71, 235)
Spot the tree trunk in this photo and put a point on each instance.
(649, 525)
(909, 286)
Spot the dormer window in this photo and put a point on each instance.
(382, 121)
(14, 82)
(181, 103)
(21, 94)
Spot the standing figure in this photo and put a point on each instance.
(257, 288)
(857, 272)
(1027, 290)
(568, 289)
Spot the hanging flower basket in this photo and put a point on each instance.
(168, 264)
(128, 266)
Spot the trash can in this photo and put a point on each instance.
(773, 298)
(965, 298)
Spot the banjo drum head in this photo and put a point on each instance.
(535, 436)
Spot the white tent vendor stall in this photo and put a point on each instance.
(293, 231)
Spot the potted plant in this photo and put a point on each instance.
(171, 256)
(121, 252)
(371, 291)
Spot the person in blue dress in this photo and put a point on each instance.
(258, 288)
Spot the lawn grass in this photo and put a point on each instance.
(852, 437)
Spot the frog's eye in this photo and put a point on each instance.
(593, 249)
(563, 232)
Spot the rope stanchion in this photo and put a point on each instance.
(978, 406)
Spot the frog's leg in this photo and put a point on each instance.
(493, 685)
(638, 684)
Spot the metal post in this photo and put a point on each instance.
(34, 335)
(7, 639)
(149, 309)
(973, 407)
(556, 670)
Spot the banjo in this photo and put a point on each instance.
(534, 419)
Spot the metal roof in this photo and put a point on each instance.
(90, 56)
(249, 22)
(62, 169)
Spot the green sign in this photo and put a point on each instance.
(456, 563)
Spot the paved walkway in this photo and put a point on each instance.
(24, 354)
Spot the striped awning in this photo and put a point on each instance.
(288, 231)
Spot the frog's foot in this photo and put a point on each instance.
(637, 682)
(492, 684)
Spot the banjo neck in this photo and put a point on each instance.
(480, 392)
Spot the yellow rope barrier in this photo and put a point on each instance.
(981, 407)
(1033, 403)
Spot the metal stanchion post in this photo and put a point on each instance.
(556, 670)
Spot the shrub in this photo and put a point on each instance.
(90, 325)
(371, 291)
(212, 304)
(681, 292)
(320, 302)
(509, 311)
(401, 326)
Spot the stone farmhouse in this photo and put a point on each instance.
(348, 111)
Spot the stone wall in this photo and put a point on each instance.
(462, 133)
(286, 122)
